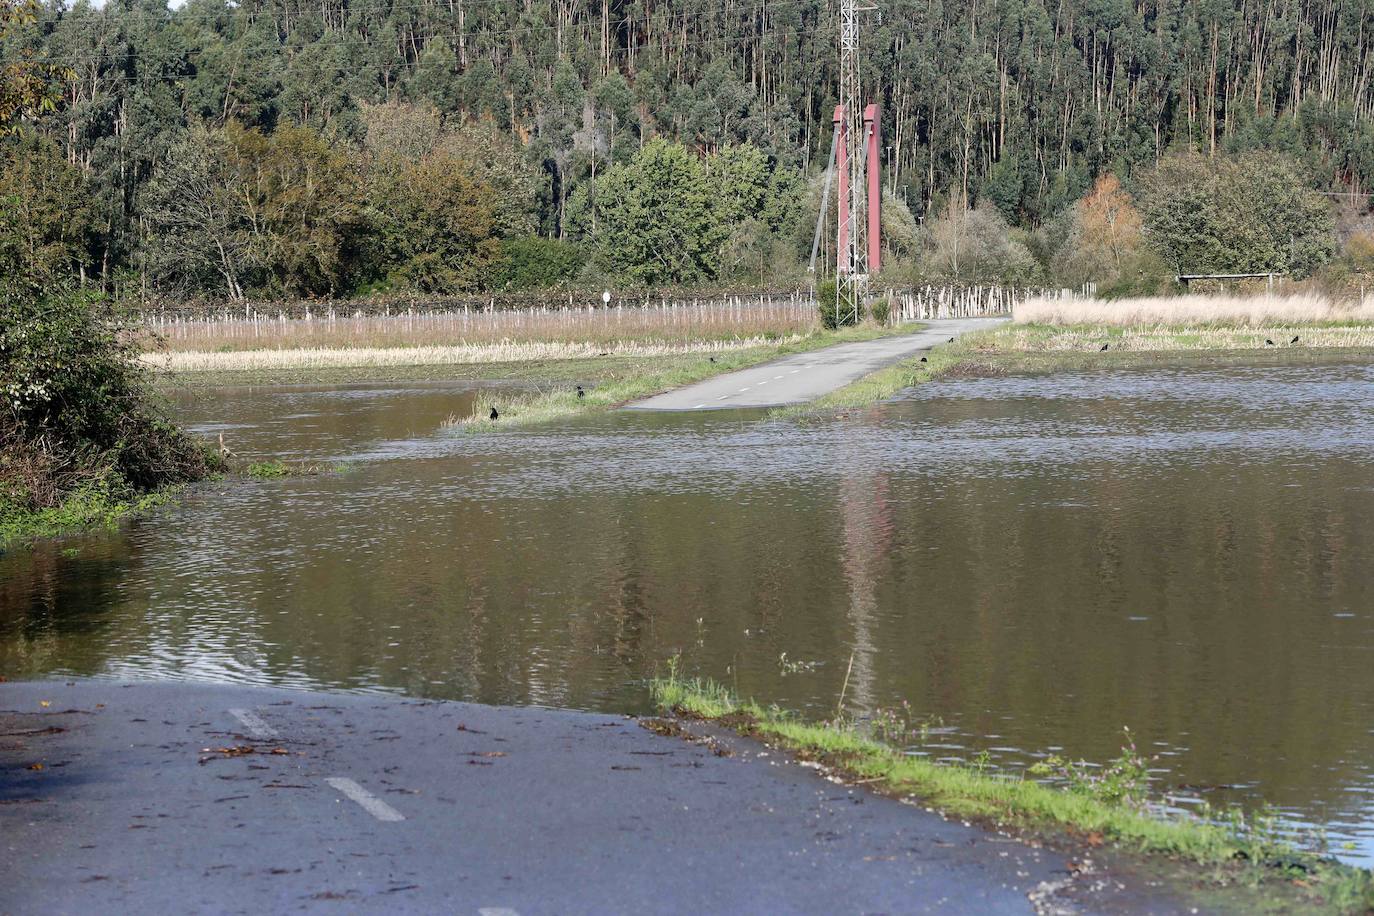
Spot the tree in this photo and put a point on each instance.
(199, 233)
(1109, 224)
(24, 91)
(1249, 213)
(657, 225)
(44, 217)
(433, 224)
(976, 246)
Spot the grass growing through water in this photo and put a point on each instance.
(643, 380)
(1110, 808)
(91, 507)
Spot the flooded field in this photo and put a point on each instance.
(1031, 563)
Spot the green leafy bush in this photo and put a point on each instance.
(834, 313)
(76, 415)
(534, 262)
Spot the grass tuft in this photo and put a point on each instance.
(1243, 848)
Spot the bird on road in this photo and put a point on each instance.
(580, 393)
(1294, 340)
(494, 415)
(1104, 348)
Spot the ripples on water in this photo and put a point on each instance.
(1036, 561)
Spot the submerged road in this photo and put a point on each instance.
(806, 376)
(200, 798)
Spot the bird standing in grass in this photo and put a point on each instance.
(1104, 348)
(580, 393)
(713, 359)
(923, 359)
(1268, 342)
(494, 415)
(1294, 340)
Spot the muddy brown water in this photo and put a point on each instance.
(1031, 563)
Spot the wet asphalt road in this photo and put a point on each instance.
(806, 376)
(200, 798)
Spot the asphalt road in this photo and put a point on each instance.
(806, 376)
(199, 798)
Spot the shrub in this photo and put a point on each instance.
(836, 314)
(881, 310)
(533, 262)
(76, 415)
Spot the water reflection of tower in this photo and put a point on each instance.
(867, 516)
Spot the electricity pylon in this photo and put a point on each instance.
(856, 135)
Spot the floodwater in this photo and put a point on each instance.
(1032, 563)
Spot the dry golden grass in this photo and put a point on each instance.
(507, 351)
(1197, 310)
(681, 322)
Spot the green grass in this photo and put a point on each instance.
(90, 508)
(1237, 851)
(275, 469)
(643, 379)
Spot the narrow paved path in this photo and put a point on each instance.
(806, 376)
(199, 798)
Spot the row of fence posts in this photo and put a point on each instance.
(911, 304)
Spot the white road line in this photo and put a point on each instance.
(776, 377)
(496, 911)
(722, 397)
(698, 407)
(251, 721)
(369, 802)
(794, 372)
(745, 388)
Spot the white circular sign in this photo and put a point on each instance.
(606, 297)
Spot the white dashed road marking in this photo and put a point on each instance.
(496, 911)
(698, 407)
(369, 802)
(256, 727)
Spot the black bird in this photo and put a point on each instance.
(1104, 349)
(494, 415)
(951, 340)
(923, 359)
(1294, 340)
(580, 393)
(713, 359)
(1268, 342)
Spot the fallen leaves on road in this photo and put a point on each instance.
(238, 750)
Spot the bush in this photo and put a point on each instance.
(76, 415)
(881, 310)
(534, 262)
(835, 314)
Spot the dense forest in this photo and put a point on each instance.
(331, 147)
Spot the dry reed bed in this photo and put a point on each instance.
(506, 351)
(1189, 311)
(662, 323)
